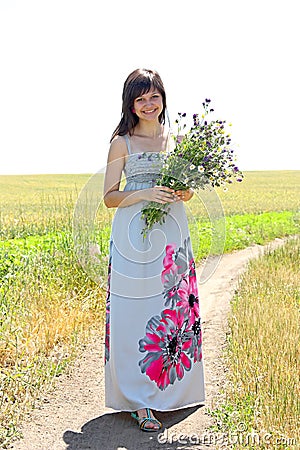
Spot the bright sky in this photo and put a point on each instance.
(64, 62)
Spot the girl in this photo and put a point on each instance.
(153, 356)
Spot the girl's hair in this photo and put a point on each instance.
(138, 83)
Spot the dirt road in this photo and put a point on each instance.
(73, 417)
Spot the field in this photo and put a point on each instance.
(261, 403)
(49, 304)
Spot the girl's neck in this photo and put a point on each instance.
(148, 130)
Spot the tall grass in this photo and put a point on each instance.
(263, 355)
(48, 308)
(48, 304)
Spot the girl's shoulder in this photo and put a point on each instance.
(118, 140)
(118, 146)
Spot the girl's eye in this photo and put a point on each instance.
(141, 99)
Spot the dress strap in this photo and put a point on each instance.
(128, 144)
(169, 141)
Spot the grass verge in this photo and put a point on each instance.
(48, 307)
(262, 397)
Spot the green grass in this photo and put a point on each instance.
(263, 353)
(38, 204)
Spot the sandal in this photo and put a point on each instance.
(142, 421)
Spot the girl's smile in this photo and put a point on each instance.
(149, 105)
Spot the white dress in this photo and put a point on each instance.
(153, 345)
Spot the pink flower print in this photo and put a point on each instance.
(107, 325)
(183, 257)
(171, 276)
(195, 350)
(189, 301)
(167, 342)
(192, 268)
(178, 264)
(107, 338)
(168, 262)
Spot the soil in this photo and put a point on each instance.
(73, 416)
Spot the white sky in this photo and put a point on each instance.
(63, 64)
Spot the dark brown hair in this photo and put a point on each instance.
(138, 83)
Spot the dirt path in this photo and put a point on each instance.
(73, 417)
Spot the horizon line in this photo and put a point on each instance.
(102, 171)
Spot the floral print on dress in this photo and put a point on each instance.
(189, 301)
(107, 326)
(173, 340)
(195, 350)
(167, 341)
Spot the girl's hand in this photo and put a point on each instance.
(185, 196)
(160, 194)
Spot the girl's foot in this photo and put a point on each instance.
(146, 420)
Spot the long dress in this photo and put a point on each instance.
(153, 343)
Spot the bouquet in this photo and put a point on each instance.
(202, 156)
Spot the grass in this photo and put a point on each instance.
(49, 304)
(263, 352)
(48, 307)
(38, 204)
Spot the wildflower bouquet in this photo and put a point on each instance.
(202, 156)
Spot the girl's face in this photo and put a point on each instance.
(148, 106)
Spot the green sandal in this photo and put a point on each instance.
(142, 421)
